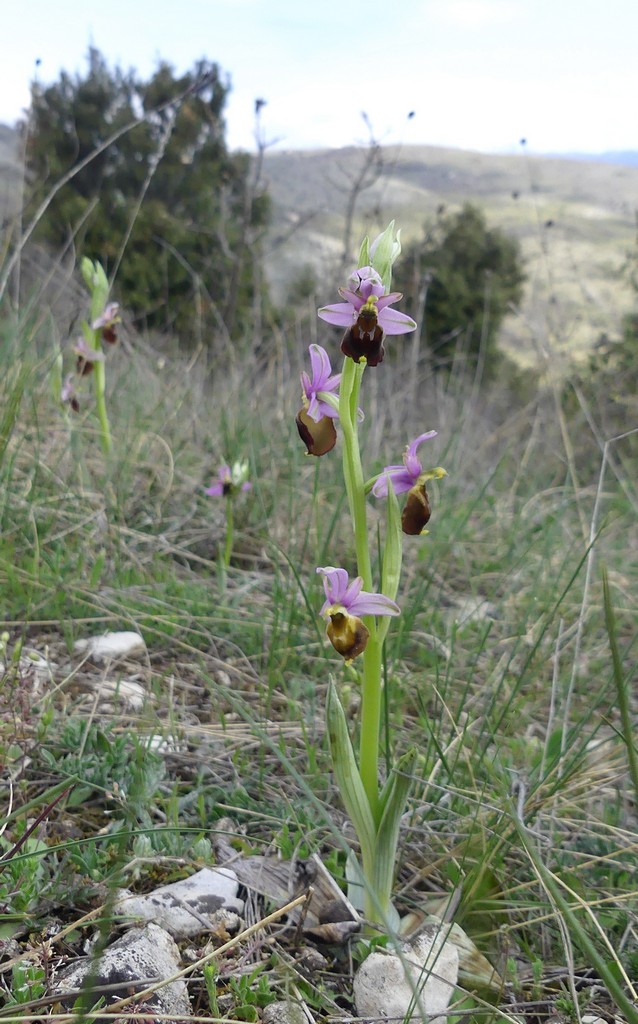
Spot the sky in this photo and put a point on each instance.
(477, 74)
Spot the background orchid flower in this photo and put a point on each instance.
(345, 603)
(67, 393)
(227, 484)
(106, 322)
(87, 356)
(230, 481)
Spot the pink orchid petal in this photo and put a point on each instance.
(401, 480)
(394, 322)
(353, 591)
(411, 460)
(323, 409)
(353, 298)
(332, 383)
(373, 604)
(427, 436)
(335, 583)
(313, 409)
(320, 365)
(388, 300)
(341, 314)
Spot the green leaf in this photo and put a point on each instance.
(347, 775)
(364, 253)
(393, 800)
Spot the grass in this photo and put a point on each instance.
(509, 670)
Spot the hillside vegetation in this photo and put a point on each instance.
(574, 218)
(575, 221)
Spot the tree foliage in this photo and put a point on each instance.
(460, 280)
(604, 391)
(154, 193)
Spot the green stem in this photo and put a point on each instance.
(99, 298)
(370, 723)
(100, 405)
(352, 470)
(228, 547)
(355, 486)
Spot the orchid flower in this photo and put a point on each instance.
(345, 603)
(322, 380)
(410, 476)
(229, 481)
(320, 404)
(367, 316)
(87, 356)
(67, 393)
(406, 475)
(106, 322)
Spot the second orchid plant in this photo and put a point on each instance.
(357, 615)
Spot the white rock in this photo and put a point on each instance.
(416, 986)
(204, 902)
(169, 744)
(285, 1013)
(127, 691)
(110, 646)
(142, 954)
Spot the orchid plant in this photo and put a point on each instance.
(357, 616)
(229, 482)
(87, 349)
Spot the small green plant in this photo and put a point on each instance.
(28, 982)
(230, 482)
(89, 354)
(251, 993)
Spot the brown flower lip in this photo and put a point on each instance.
(416, 511)
(319, 438)
(347, 634)
(364, 340)
(83, 367)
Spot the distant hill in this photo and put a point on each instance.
(626, 157)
